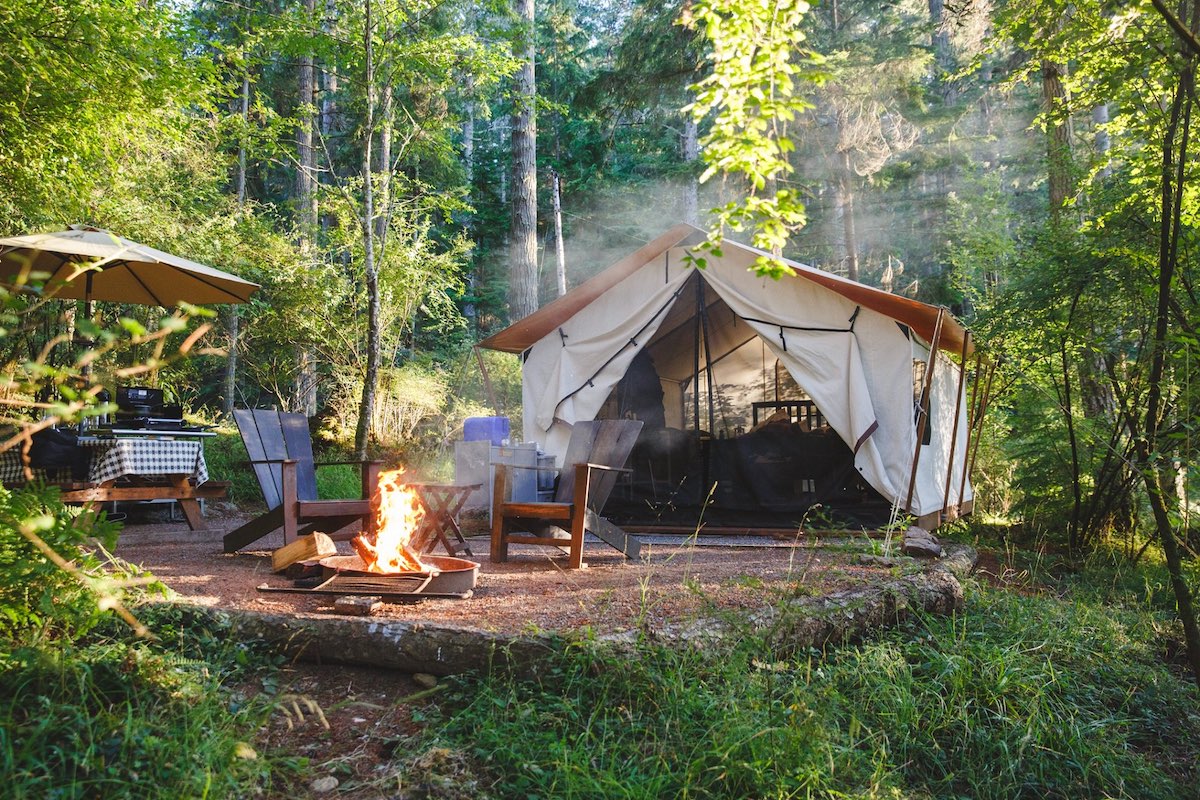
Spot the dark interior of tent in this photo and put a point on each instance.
(728, 433)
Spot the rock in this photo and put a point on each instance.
(324, 785)
(920, 533)
(878, 561)
(918, 542)
(424, 680)
(353, 605)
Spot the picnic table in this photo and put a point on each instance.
(133, 468)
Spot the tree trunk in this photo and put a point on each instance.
(468, 158)
(941, 36)
(846, 204)
(387, 119)
(234, 323)
(523, 278)
(560, 252)
(329, 107)
(468, 136)
(943, 55)
(306, 154)
(306, 203)
(366, 411)
(1157, 469)
(691, 189)
(245, 114)
(1058, 138)
(1100, 119)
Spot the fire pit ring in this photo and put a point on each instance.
(445, 575)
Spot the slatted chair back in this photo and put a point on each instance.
(271, 437)
(607, 442)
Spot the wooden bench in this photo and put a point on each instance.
(179, 489)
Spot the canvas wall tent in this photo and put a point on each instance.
(722, 339)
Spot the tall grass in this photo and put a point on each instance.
(107, 716)
(89, 709)
(1019, 697)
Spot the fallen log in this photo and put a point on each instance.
(444, 650)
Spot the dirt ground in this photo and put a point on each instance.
(361, 728)
(676, 578)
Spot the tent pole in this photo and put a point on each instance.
(972, 416)
(923, 417)
(708, 364)
(696, 358)
(984, 400)
(958, 401)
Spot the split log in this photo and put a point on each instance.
(306, 548)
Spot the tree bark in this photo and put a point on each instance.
(468, 158)
(306, 203)
(245, 115)
(366, 411)
(560, 252)
(1058, 137)
(942, 54)
(691, 189)
(387, 119)
(1100, 119)
(1157, 469)
(523, 278)
(306, 154)
(846, 204)
(234, 323)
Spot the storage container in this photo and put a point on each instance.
(486, 429)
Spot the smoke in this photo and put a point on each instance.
(609, 224)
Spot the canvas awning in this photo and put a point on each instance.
(921, 317)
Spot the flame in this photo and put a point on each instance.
(397, 513)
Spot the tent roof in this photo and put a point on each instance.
(921, 317)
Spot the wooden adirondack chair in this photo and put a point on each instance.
(280, 450)
(596, 453)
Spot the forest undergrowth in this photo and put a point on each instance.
(1065, 689)
(1063, 682)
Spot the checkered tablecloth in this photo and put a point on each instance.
(11, 473)
(116, 458)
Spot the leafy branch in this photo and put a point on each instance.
(758, 65)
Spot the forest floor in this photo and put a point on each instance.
(350, 722)
(678, 577)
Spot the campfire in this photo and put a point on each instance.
(397, 512)
(388, 561)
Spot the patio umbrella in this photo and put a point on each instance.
(125, 271)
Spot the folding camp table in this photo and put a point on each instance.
(442, 503)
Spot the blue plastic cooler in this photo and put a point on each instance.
(486, 429)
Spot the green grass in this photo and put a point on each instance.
(88, 708)
(1068, 693)
(112, 716)
(227, 461)
(1019, 697)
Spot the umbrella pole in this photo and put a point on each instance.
(87, 295)
(85, 372)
